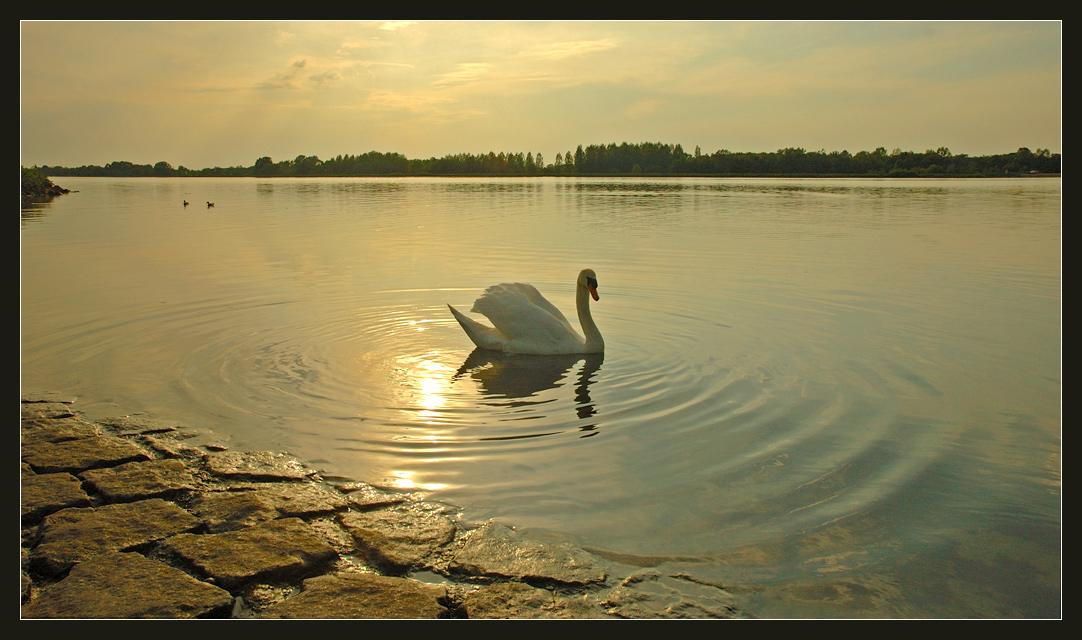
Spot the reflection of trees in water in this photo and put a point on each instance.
(32, 213)
(519, 378)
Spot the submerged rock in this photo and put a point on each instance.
(496, 551)
(402, 538)
(650, 594)
(257, 465)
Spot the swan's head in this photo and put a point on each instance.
(588, 279)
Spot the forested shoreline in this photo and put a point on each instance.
(642, 159)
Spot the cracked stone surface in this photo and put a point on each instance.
(495, 550)
(127, 585)
(141, 480)
(362, 595)
(72, 535)
(279, 549)
(401, 538)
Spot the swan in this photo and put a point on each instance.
(524, 322)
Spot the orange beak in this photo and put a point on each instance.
(593, 291)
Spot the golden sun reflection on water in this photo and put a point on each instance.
(407, 481)
(426, 383)
(431, 381)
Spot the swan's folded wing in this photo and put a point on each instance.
(515, 314)
(499, 291)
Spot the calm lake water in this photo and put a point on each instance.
(840, 398)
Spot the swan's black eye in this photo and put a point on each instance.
(591, 281)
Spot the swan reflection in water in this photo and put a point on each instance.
(518, 378)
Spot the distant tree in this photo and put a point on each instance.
(264, 166)
(163, 168)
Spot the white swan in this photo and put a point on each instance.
(524, 322)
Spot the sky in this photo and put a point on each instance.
(222, 94)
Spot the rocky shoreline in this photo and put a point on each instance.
(131, 518)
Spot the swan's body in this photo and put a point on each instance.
(525, 322)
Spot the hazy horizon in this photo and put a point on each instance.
(220, 94)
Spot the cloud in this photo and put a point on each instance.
(326, 76)
(466, 72)
(560, 50)
(396, 25)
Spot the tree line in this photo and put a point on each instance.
(642, 159)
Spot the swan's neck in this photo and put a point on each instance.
(594, 342)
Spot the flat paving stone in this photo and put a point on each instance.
(224, 511)
(362, 595)
(128, 585)
(281, 549)
(39, 430)
(76, 456)
(49, 493)
(141, 480)
(74, 535)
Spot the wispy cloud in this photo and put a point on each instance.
(396, 25)
(560, 50)
(466, 72)
(321, 78)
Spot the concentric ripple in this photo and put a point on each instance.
(802, 379)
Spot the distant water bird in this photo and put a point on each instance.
(185, 203)
(525, 322)
(210, 204)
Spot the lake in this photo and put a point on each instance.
(837, 397)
